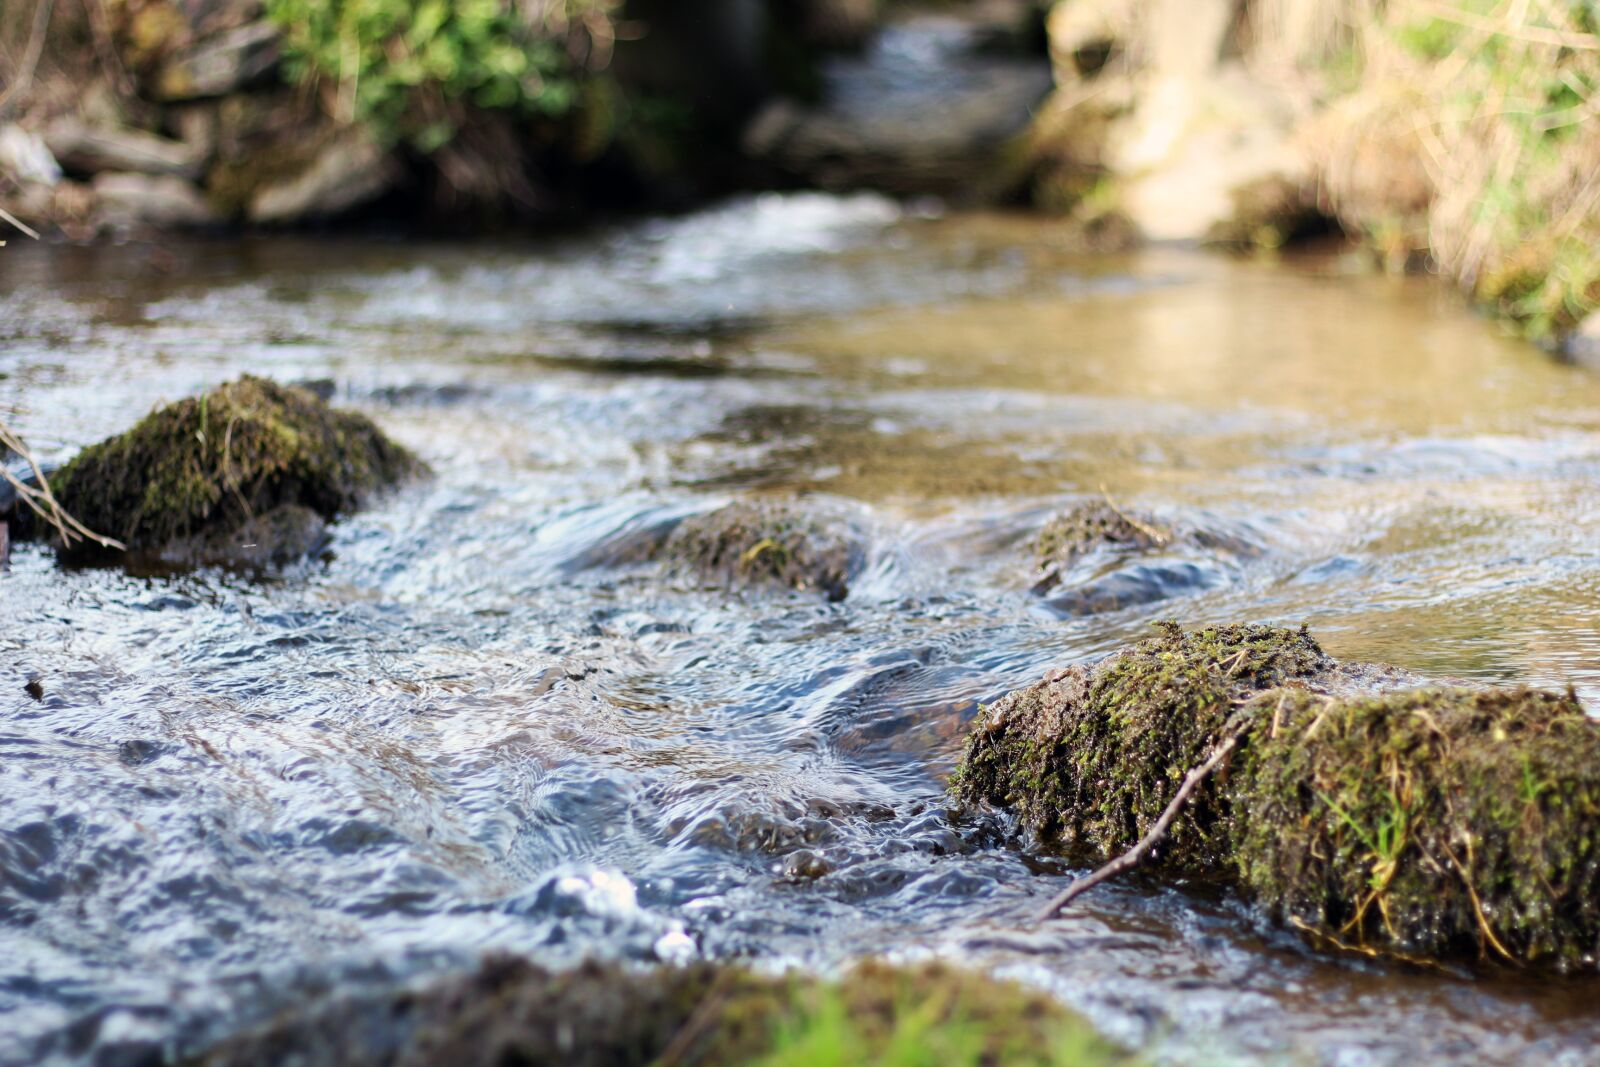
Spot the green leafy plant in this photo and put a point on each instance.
(823, 1032)
(408, 69)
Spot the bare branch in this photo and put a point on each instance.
(42, 501)
(1135, 855)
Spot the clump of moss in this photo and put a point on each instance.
(1429, 822)
(703, 1015)
(192, 472)
(769, 543)
(1097, 531)
(1422, 823)
(1091, 757)
(1089, 527)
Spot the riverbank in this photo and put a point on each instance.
(163, 115)
(1457, 138)
(1441, 137)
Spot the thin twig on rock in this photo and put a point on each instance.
(1135, 855)
(42, 500)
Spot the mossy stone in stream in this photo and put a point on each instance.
(1097, 531)
(1421, 823)
(1430, 822)
(1089, 527)
(1091, 757)
(251, 457)
(703, 1015)
(796, 544)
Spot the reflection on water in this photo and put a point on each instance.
(484, 723)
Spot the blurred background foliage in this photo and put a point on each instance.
(397, 64)
(1461, 136)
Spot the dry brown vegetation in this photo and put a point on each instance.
(1469, 132)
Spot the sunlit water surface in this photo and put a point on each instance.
(475, 726)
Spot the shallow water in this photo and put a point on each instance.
(477, 725)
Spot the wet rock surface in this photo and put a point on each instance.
(805, 545)
(1098, 557)
(247, 473)
(1422, 823)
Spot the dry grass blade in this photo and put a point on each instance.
(42, 501)
(30, 60)
(19, 224)
(1514, 26)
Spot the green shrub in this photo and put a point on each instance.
(407, 68)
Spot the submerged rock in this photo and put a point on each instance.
(1097, 557)
(703, 1015)
(1411, 822)
(247, 474)
(794, 544)
(1087, 528)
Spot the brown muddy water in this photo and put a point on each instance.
(479, 723)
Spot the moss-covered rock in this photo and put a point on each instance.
(242, 473)
(1097, 557)
(703, 1015)
(1420, 822)
(1090, 527)
(801, 545)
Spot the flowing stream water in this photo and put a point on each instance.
(481, 722)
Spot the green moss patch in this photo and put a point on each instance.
(784, 543)
(196, 470)
(1087, 528)
(1420, 823)
(703, 1015)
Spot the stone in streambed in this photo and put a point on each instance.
(248, 473)
(1365, 811)
(1096, 557)
(801, 545)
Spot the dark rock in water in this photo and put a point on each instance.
(1096, 557)
(511, 1012)
(324, 389)
(246, 474)
(1094, 526)
(14, 510)
(1360, 809)
(795, 544)
(276, 538)
(1136, 584)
